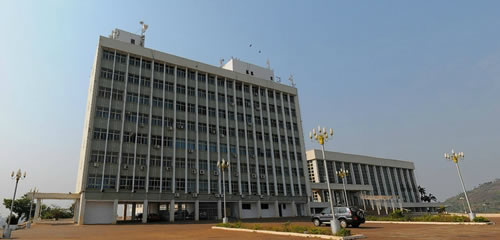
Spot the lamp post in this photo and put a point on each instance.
(222, 166)
(17, 177)
(28, 224)
(321, 137)
(455, 157)
(342, 174)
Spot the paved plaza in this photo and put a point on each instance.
(204, 231)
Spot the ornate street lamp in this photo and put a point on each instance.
(17, 177)
(223, 166)
(455, 157)
(342, 174)
(321, 136)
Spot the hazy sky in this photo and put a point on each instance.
(408, 80)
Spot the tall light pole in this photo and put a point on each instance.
(342, 174)
(222, 166)
(322, 137)
(17, 177)
(455, 157)
(28, 224)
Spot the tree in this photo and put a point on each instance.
(424, 197)
(55, 212)
(21, 206)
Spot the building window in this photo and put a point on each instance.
(246, 206)
(191, 108)
(191, 91)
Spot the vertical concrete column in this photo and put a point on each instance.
(240, 209)
(125, 211)
(219, 209)
(145, 212)
(412, 191)
(385, 205)
(276, 209)
(81, 209)
(405, 185)
(294, 209)
(75, 211)
(172, 211)
(197, 210)
(398, 186)
(259, 209)
(115, 209)
(37, 209)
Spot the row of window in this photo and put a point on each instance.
(181, 143)
(139, 183)
(181, 73)
(181, 89)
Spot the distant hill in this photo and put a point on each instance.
(483, 198)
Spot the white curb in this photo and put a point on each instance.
(434, 223)
(291, 233)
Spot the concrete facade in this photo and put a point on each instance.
(370, 176)
(156, 124)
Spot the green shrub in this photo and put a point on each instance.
(424, 218)
(343, 232)
(397, 214)
(285, 227)
(257, 227)
(481, 219)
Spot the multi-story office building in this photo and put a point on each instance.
(371, 181)
(156, 125)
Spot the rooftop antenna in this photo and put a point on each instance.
(291, 80)
(268, 63)
(278, 79)
(143, 30)
(221, 62)
(144, 27)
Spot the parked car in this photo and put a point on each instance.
(152, 217)
(352, 216)
(181, 214)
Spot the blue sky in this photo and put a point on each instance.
(397, 79)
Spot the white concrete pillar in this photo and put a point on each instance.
(240, 209)
(294, 209)
(392, 205)
(197, 210)
(259, 209)
(145, 212)
(219, 209)
(115, 209)
(75, 211)
(37, 209)
(81, 214)
(276, 209)
(377, 203)
(172, 211)
(385, 205)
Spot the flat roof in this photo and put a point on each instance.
(347, 157)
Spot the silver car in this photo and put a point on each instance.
(347, 216)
